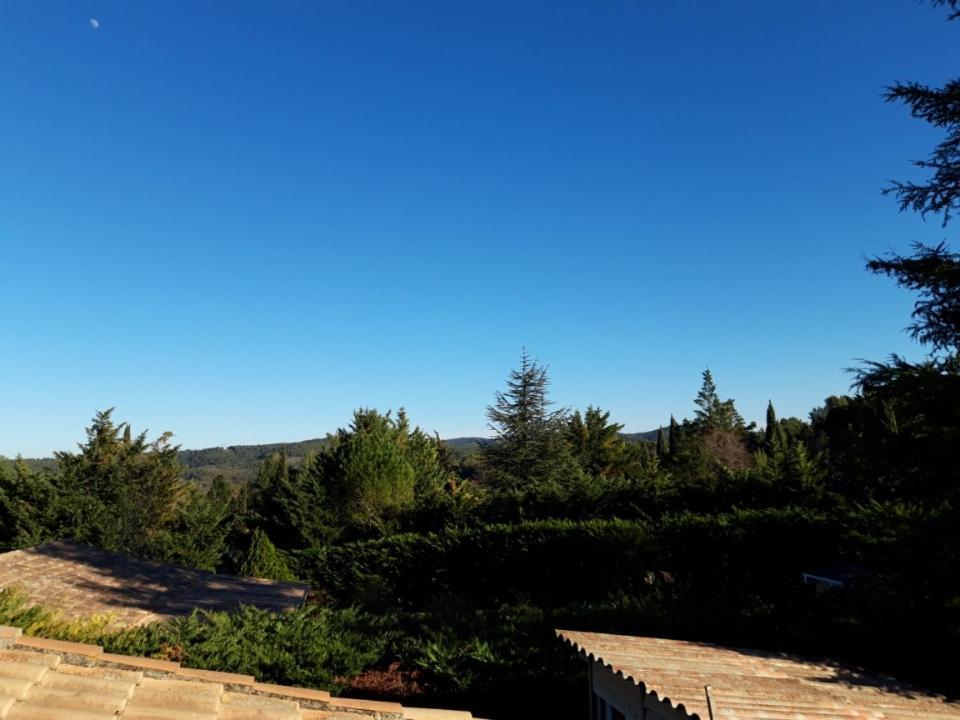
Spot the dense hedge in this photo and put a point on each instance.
(746, 546)
(546, 560)
(561, 561)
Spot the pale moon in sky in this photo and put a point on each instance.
(94, 23)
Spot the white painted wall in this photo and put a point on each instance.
(628, 698)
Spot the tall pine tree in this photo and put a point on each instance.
(712, 413)
(529, 447)
(916, 452)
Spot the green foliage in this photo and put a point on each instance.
(199, 532)
(290, 503)
(548, 560)
(907, 414)
(264, 561)
(27, 499)
(310, 647)
(529, 447)
(712, 413)
(239, 464)
(15, 610)
(123, 489)
(598, 445)
(774, 437)
(934, 273)
(714, 443)
(675, 439)
(374, 470)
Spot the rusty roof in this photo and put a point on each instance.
(81, 581)
(755, 685)
(44, 679)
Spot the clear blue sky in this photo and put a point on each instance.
(239, 221)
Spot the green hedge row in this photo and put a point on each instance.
(546, 560)
(554, 562)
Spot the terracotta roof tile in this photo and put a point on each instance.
(52, 680)
(82, 581)
(755, 685)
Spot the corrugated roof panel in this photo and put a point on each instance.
(756, 685)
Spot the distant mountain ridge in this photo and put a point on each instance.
(239, 463)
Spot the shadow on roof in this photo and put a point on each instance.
(81, 581)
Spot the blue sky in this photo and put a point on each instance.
(239, 221)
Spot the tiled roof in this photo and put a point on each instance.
(754, 685)
(82, 581)
(53, 680)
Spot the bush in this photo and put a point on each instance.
(311, 647)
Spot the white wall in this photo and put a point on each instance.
(628, 698)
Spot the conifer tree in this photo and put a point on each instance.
(376, 469)
(712, 413)
(774, 437)
(529, 447)
(124, 489)
(263, 560)
(661, 444)
(707, 400)
(913, 408)
(675, 438)
(932, 271)
(369, 478)
(197, 537)
(597, 445)
(801, 473)
(274, 499)
(27, 499)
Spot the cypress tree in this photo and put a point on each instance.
(661, 443)
(263, 560)
(674, 438)
(774, 437)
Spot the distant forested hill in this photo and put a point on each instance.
(239, 463)
(648, 436)
(463, 446)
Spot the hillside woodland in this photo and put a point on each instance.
(441, 574)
